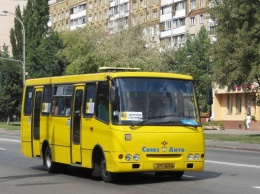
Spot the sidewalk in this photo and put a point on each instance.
(233, 145)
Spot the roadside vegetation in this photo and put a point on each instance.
(253, 138)
(10, 126)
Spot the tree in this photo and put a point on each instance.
(16, 36)
(90, 48)
(81, 50)
(129, 48)
(193, 59)
(11, 90)
(46, 61)
(236, 54)
(35, 19)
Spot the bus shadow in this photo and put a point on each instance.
(137, 178)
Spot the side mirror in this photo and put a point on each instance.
(209, 95)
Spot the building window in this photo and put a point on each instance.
(134, 5)
(168, 25)
(230, 103)
(100, 15)
(180, 5)
(248, 103)
(155, 14)
(178, 22)
(166, 10)
(193, 4)
(192, 21)
(141, 3)
(201, 19)
(154, 1)
(154, 30)
(202, 3)
(90, 18)
(239, 103)
(90, 5)
(147, 16)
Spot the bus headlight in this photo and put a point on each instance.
(136, 157)
(196, 156)
(190, 157)
(128, 157)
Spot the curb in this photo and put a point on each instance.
(233, 148)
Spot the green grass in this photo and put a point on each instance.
(253, 138)
(11, 126)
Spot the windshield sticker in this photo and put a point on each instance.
(131, 116)
(90, 107)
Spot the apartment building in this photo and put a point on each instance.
(172, 22)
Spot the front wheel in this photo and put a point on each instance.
(107, 177)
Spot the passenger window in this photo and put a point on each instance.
(46, 104)
(28, 104)
(61, 101)
(90, 98)
(102, 105)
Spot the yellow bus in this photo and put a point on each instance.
(112, 122)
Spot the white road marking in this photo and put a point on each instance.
(13, 140)
(188, 176)
(256, 187)
(232, 164)
(2, 149)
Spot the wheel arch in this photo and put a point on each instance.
(97, 154)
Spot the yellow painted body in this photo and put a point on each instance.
(147, 141)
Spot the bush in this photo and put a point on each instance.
(213, 124)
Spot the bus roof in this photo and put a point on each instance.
(102, 76)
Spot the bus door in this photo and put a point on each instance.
(36, 150)
(76, 125)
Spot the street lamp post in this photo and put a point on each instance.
(23, 67)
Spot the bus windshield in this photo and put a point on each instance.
(155, 101)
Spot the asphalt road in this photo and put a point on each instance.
(226, 171)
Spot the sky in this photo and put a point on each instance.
(7, 22)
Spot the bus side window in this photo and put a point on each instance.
(28, 104)
(46, 103)
(90, 97)
(61, 101)
(102, 102)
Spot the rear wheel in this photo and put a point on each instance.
(47, 161)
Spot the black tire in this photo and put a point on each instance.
(107, 177)
(50, 166)
(175, 174)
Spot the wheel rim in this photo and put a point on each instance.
(48, 158)
(103, 169)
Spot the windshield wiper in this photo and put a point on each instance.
(180, 122)
(148, 119)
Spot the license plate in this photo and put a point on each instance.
(163, 166)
